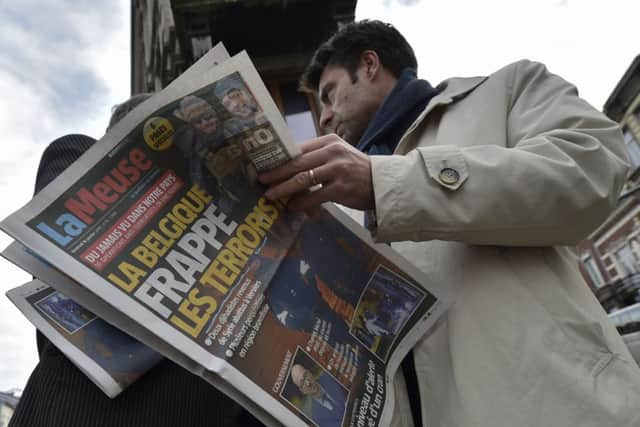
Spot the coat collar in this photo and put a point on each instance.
(450, 90)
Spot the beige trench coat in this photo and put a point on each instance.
(525, 343)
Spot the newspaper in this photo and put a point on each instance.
(110, 358)
(82, 297)
(105, 372)
(299, 317)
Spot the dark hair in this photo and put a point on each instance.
(345, 47)
(120, 110)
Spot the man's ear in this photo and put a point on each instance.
(370, 63)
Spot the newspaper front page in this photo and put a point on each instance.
(107, 380)
(163, 220)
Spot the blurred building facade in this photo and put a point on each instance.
(610, 257)
(280, 36)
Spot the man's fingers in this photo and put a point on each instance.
(302, 163)
(312, 156)
(310, 199)
(343, 172)
(297, 183)
(317, 143)
(300, 182)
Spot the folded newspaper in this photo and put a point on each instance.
(162, 230)
(112, 359)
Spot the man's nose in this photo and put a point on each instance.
(325, 117)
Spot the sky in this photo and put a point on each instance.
(64, 64)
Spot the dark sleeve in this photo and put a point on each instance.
(59, 155)
(58, 394)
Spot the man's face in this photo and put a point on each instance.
(304, 380)
(238, 103)
(347, 107)
(202, 116)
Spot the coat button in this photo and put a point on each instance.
(449, 176)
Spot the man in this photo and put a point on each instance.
(327, 396)
(203, 136)
(491, 178)
(244, 110)
(216, 165)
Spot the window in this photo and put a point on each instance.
(626, 315)
(593, 271)
(633, 149)
(297, 112)
(626, 260)
(635, 247)
(200, 46)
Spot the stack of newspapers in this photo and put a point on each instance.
(158, 242)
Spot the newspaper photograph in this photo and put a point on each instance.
(109, 357)
(164, 221)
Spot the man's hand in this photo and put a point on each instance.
(343, 172)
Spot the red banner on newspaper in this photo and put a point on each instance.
(143, 210)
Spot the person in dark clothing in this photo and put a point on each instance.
(59, 394)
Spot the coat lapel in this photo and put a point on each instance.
(451, 90)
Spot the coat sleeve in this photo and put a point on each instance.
(556, 179)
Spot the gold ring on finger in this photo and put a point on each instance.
(312, 178)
